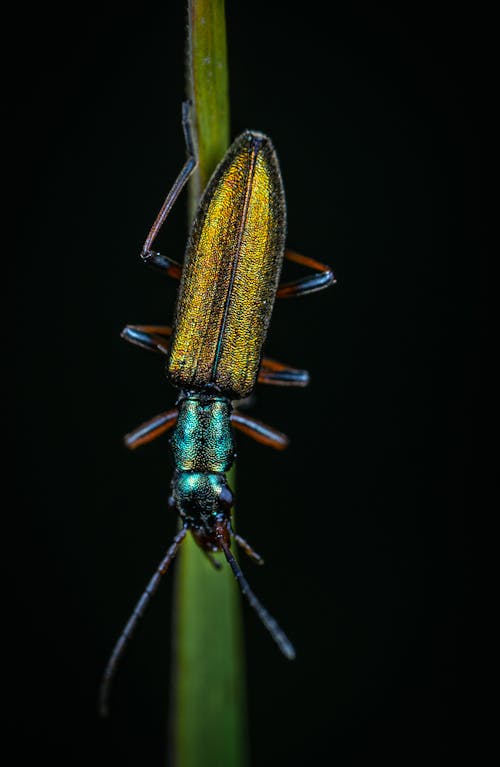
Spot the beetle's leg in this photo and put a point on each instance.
(259, 431)
(148, 431)
(155, 338)
(321, 278)
(165, 264)
(242, 543)
(276, 373)
(162, 264)
(212, 560)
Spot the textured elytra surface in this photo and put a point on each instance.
(231, 271)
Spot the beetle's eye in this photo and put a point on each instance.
(226, 498)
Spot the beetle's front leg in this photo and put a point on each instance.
(212, 560)
(152, 429)
(249, 551)
(259, 431)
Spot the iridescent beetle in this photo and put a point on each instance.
(229, 281)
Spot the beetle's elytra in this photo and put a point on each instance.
(231, 271)
(228, 284)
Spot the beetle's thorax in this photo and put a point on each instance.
(203, 438)
(203, 451)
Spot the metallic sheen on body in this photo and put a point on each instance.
(203, 438)
(231, 271)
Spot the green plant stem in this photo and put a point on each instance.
(208, 88)
(209, 698)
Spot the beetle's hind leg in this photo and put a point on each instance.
(322, 277)
(151, 257)
(154, 338)
(162, 264)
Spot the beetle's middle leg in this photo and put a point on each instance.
(277, 374)
(155, 338)
(164, 264)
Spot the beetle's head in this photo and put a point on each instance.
(204, 501)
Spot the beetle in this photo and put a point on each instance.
(228, 284)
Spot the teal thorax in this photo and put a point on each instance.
(203, 452)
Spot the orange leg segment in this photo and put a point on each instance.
(259, 431)
(148, 431)
(321, 278)
(162, 264)
(277, 374)
(155, 338)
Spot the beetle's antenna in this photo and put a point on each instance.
(269, 622)
(134, 619)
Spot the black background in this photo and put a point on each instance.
(363, 522)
